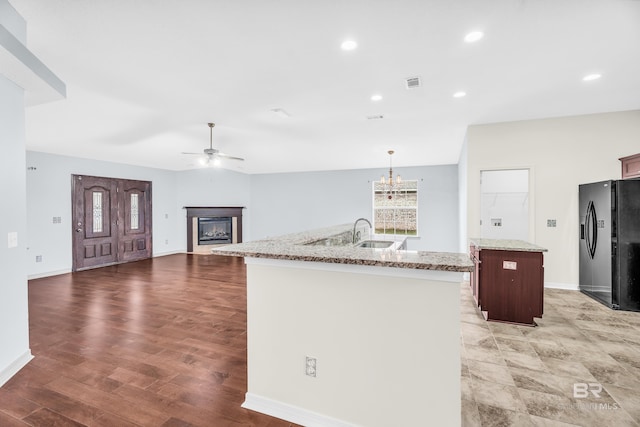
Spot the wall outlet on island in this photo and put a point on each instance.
(310, 366)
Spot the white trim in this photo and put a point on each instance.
(374, 208)
(48, 274)
(156, 255)
(22, 67)
(15, 366)
(565, 286)
(290, 413)
(68, 270)
(412, 273)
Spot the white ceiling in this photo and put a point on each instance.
(144, 77)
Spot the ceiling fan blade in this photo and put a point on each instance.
(225, 156)
(211, 154)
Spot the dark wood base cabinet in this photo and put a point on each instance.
(508, 285)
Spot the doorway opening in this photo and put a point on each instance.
(504, 204)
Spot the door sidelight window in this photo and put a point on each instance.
(97, 212)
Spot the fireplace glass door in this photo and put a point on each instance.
(214, 231)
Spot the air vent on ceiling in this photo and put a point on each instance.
(375, 117)
(413, 82)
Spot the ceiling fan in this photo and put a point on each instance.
(213, 155)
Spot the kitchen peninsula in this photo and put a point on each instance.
(340, 335)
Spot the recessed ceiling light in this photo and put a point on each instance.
(349, 45)
(473, 36)
(460, 94)
(376, 97)
(590, 77)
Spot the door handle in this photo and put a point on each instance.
(592, 229)
(79, 230)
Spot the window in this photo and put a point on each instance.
(97, 212)
(395, 211)
(134, 212)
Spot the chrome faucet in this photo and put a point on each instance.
(356, 236)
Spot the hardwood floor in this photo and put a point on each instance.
(160, 342)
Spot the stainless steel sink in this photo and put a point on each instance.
(329, 241)
(375, 244)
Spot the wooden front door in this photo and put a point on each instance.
(134, 232)
(111, 221)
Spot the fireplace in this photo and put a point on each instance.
(207, 226)
(213, 231)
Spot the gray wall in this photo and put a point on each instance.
(276, 203)
(211, 187)
(14, 306)
(292, 202)
(49, 195)
(14, 310)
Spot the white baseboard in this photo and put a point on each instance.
(48, 274)
(290, 413)
(14, 367)
(155, 255)
(565, 286)
(65, 271)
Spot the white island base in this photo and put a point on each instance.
(386, 341)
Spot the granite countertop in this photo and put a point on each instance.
(301, 247)
(506, 245)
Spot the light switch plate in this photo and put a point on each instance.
(12, 239)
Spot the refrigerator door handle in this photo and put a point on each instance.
(592, 230)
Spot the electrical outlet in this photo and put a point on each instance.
(166, 241)
(551, 223)
(310, 366)
(57, 220)
(38, 258)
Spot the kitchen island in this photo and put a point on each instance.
(339, 335)
(508, 280)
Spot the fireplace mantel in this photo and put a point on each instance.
(213, 212)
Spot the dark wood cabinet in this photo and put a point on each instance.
(508, 284)
(630, 166)
(474, 254)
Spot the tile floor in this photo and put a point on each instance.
(525, 376)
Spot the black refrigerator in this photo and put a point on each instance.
(610, 242)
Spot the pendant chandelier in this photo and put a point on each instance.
(389, 184)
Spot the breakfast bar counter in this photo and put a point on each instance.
(340, 335)
(333, 245)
